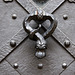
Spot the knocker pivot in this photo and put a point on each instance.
(39, 17)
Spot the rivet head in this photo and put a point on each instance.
(65, 17)
(12, 43)
(14, 16)
(40, 54)
(40, 66)
(67, 43)
(64, 65)
(15, 65)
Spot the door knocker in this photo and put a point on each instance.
(39, 17)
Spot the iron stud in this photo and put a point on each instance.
(64, 65)
(65, 17)
(67, 43)
(15, 65)
(14, 16)
(40, 66)
(12, 43)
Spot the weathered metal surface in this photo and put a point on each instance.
(61, 40)
(30, 6)
(27, 5)
(9, 26)
(6, 69)
(56, 55)
(4, 52)
(61, 37)
(53, 5)
(66, 26)
(70, 69)
(52, 63)
(6, 49)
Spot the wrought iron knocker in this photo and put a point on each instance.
(39, 17)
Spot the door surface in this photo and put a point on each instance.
(17, 51)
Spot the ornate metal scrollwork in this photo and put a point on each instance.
(39, 17)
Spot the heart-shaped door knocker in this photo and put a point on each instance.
(39, 17)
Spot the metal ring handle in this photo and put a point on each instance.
(34, 17)
(39, 17)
